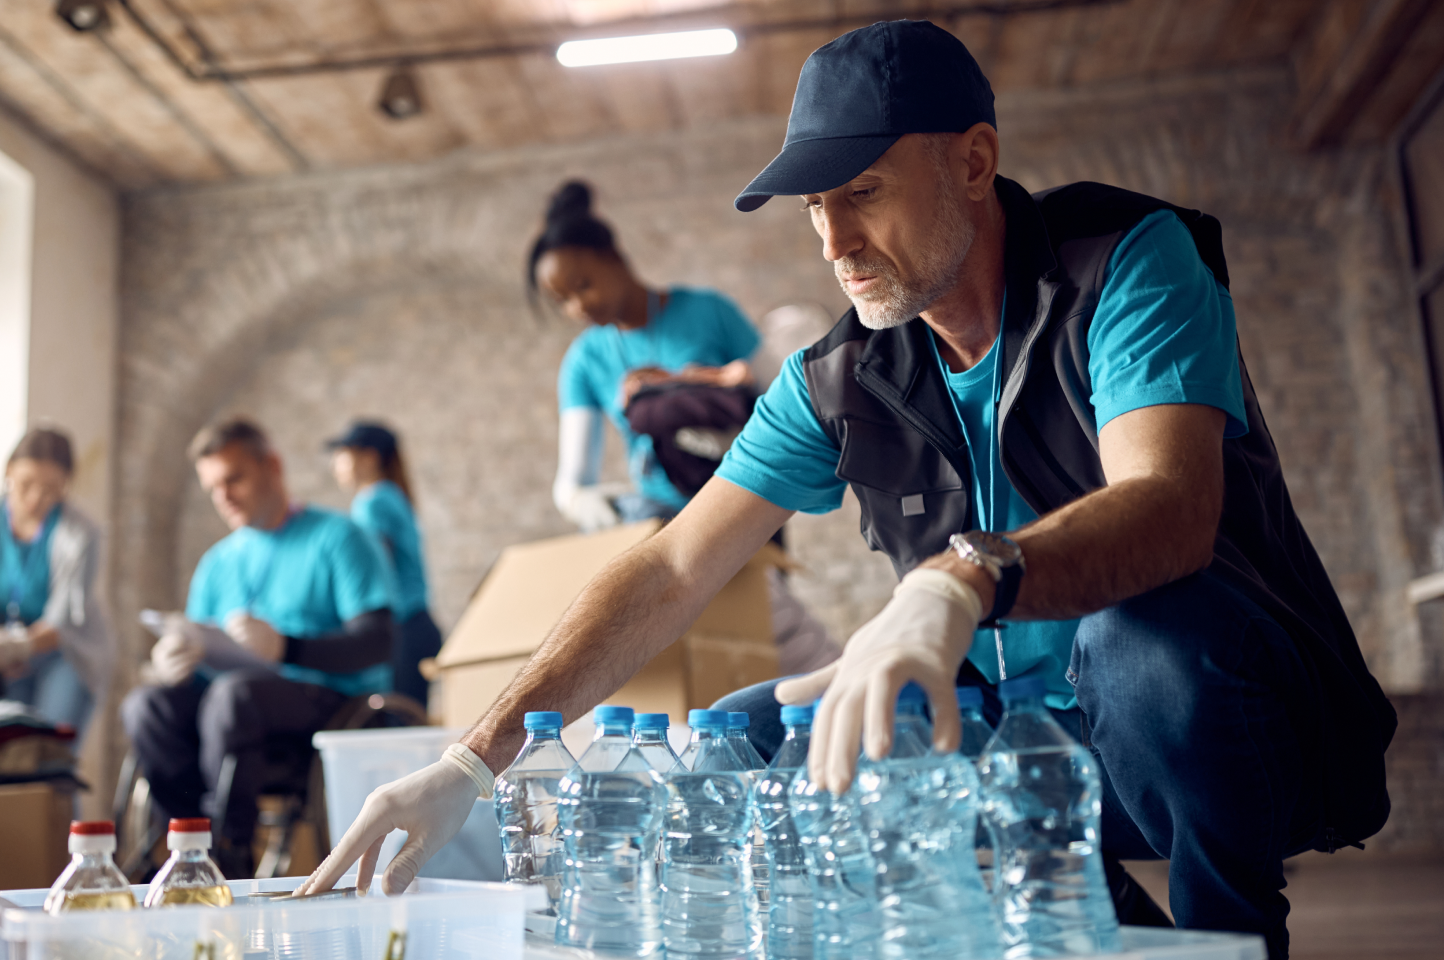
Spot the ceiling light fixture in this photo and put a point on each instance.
(655, 46)
(400, 96)
(83, 16)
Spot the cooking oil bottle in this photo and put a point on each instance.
(190, 875)
(92, 881)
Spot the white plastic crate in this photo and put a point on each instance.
(1139, 943)
(356, 762)
(440, 920)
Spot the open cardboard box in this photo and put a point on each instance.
(34, 829)
(728, 647)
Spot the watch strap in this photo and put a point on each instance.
(1005, 594)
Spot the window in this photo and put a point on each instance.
(17, 193)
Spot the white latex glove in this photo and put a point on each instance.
(590, 509)
(922, 635)
(15, 646)
(430, 805)
(176, 654)
(257, 636)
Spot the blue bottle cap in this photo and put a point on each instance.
(795, 715)
(541, 719)
(612, 716)
(1023, 688)
(651, 721)
(707, 718)
(737, 719)
(969, 697)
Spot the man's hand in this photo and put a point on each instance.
(257, 636)
(176, 654)
(431, 805)
(15, 650)
(922, 635)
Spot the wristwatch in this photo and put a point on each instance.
(1002, 558)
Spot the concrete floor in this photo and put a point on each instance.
(1351, 905)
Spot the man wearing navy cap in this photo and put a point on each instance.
(1040, 404)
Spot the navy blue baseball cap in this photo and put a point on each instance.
(858, 94)
(366, 435)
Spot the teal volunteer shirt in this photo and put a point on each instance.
(25, 568)
(697, 328)
(383, 511)
(305, 579)
(1164, 332)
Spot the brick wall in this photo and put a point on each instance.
(397, 292)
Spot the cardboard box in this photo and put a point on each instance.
(34, 827)
(530, 587)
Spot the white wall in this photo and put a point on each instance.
(66, 359)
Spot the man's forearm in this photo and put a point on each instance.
(1155, 522)
(634, 609)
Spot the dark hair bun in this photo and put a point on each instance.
(572, 201)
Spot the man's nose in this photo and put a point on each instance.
(840, 237)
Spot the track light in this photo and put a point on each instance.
(83, 16)
(655, 46)
(400, 96)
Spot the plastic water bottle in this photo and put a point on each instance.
(189, 876)
(649, 737)
(737, 724)
(976, 734)
(789, 902)
(1042, 801)
(526, 806)
(709, 908)
(91, 881)
(915, 805)
(841, 869)
(610, 806)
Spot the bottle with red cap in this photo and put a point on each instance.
(92, 881)
(190, 875)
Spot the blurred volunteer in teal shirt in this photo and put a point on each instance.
(636, 336)
(305, 594)
(367, 461)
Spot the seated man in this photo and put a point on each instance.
(303, 589)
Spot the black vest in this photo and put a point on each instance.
(883, 400)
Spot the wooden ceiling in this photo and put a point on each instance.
(204, 90)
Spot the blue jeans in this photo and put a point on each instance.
(1201, 713)
(53, 689)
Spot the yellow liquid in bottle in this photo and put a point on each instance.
(98, 900)
(218, 896)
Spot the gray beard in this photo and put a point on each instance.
(896, 302)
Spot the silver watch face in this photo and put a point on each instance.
(994, 547)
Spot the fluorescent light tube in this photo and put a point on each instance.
(655, 46)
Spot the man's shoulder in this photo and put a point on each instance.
(848, 330)
(324, 526)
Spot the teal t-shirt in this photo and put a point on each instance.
(305, 579)
(383, 511)
(25, 569)
(1164, 332)
(697, 328)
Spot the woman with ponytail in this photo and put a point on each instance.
(668, 367)
(367, 462)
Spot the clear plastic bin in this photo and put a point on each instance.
(356, 762)
(434, 920)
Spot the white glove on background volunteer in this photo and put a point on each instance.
(257, 636)
(15, 646)
(591, 509)
(177, 653)
(431, 805)
(922, 635)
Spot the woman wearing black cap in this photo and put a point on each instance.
(367, 462)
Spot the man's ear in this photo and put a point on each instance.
(978, 149)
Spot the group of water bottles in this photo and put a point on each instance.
(716, 854)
